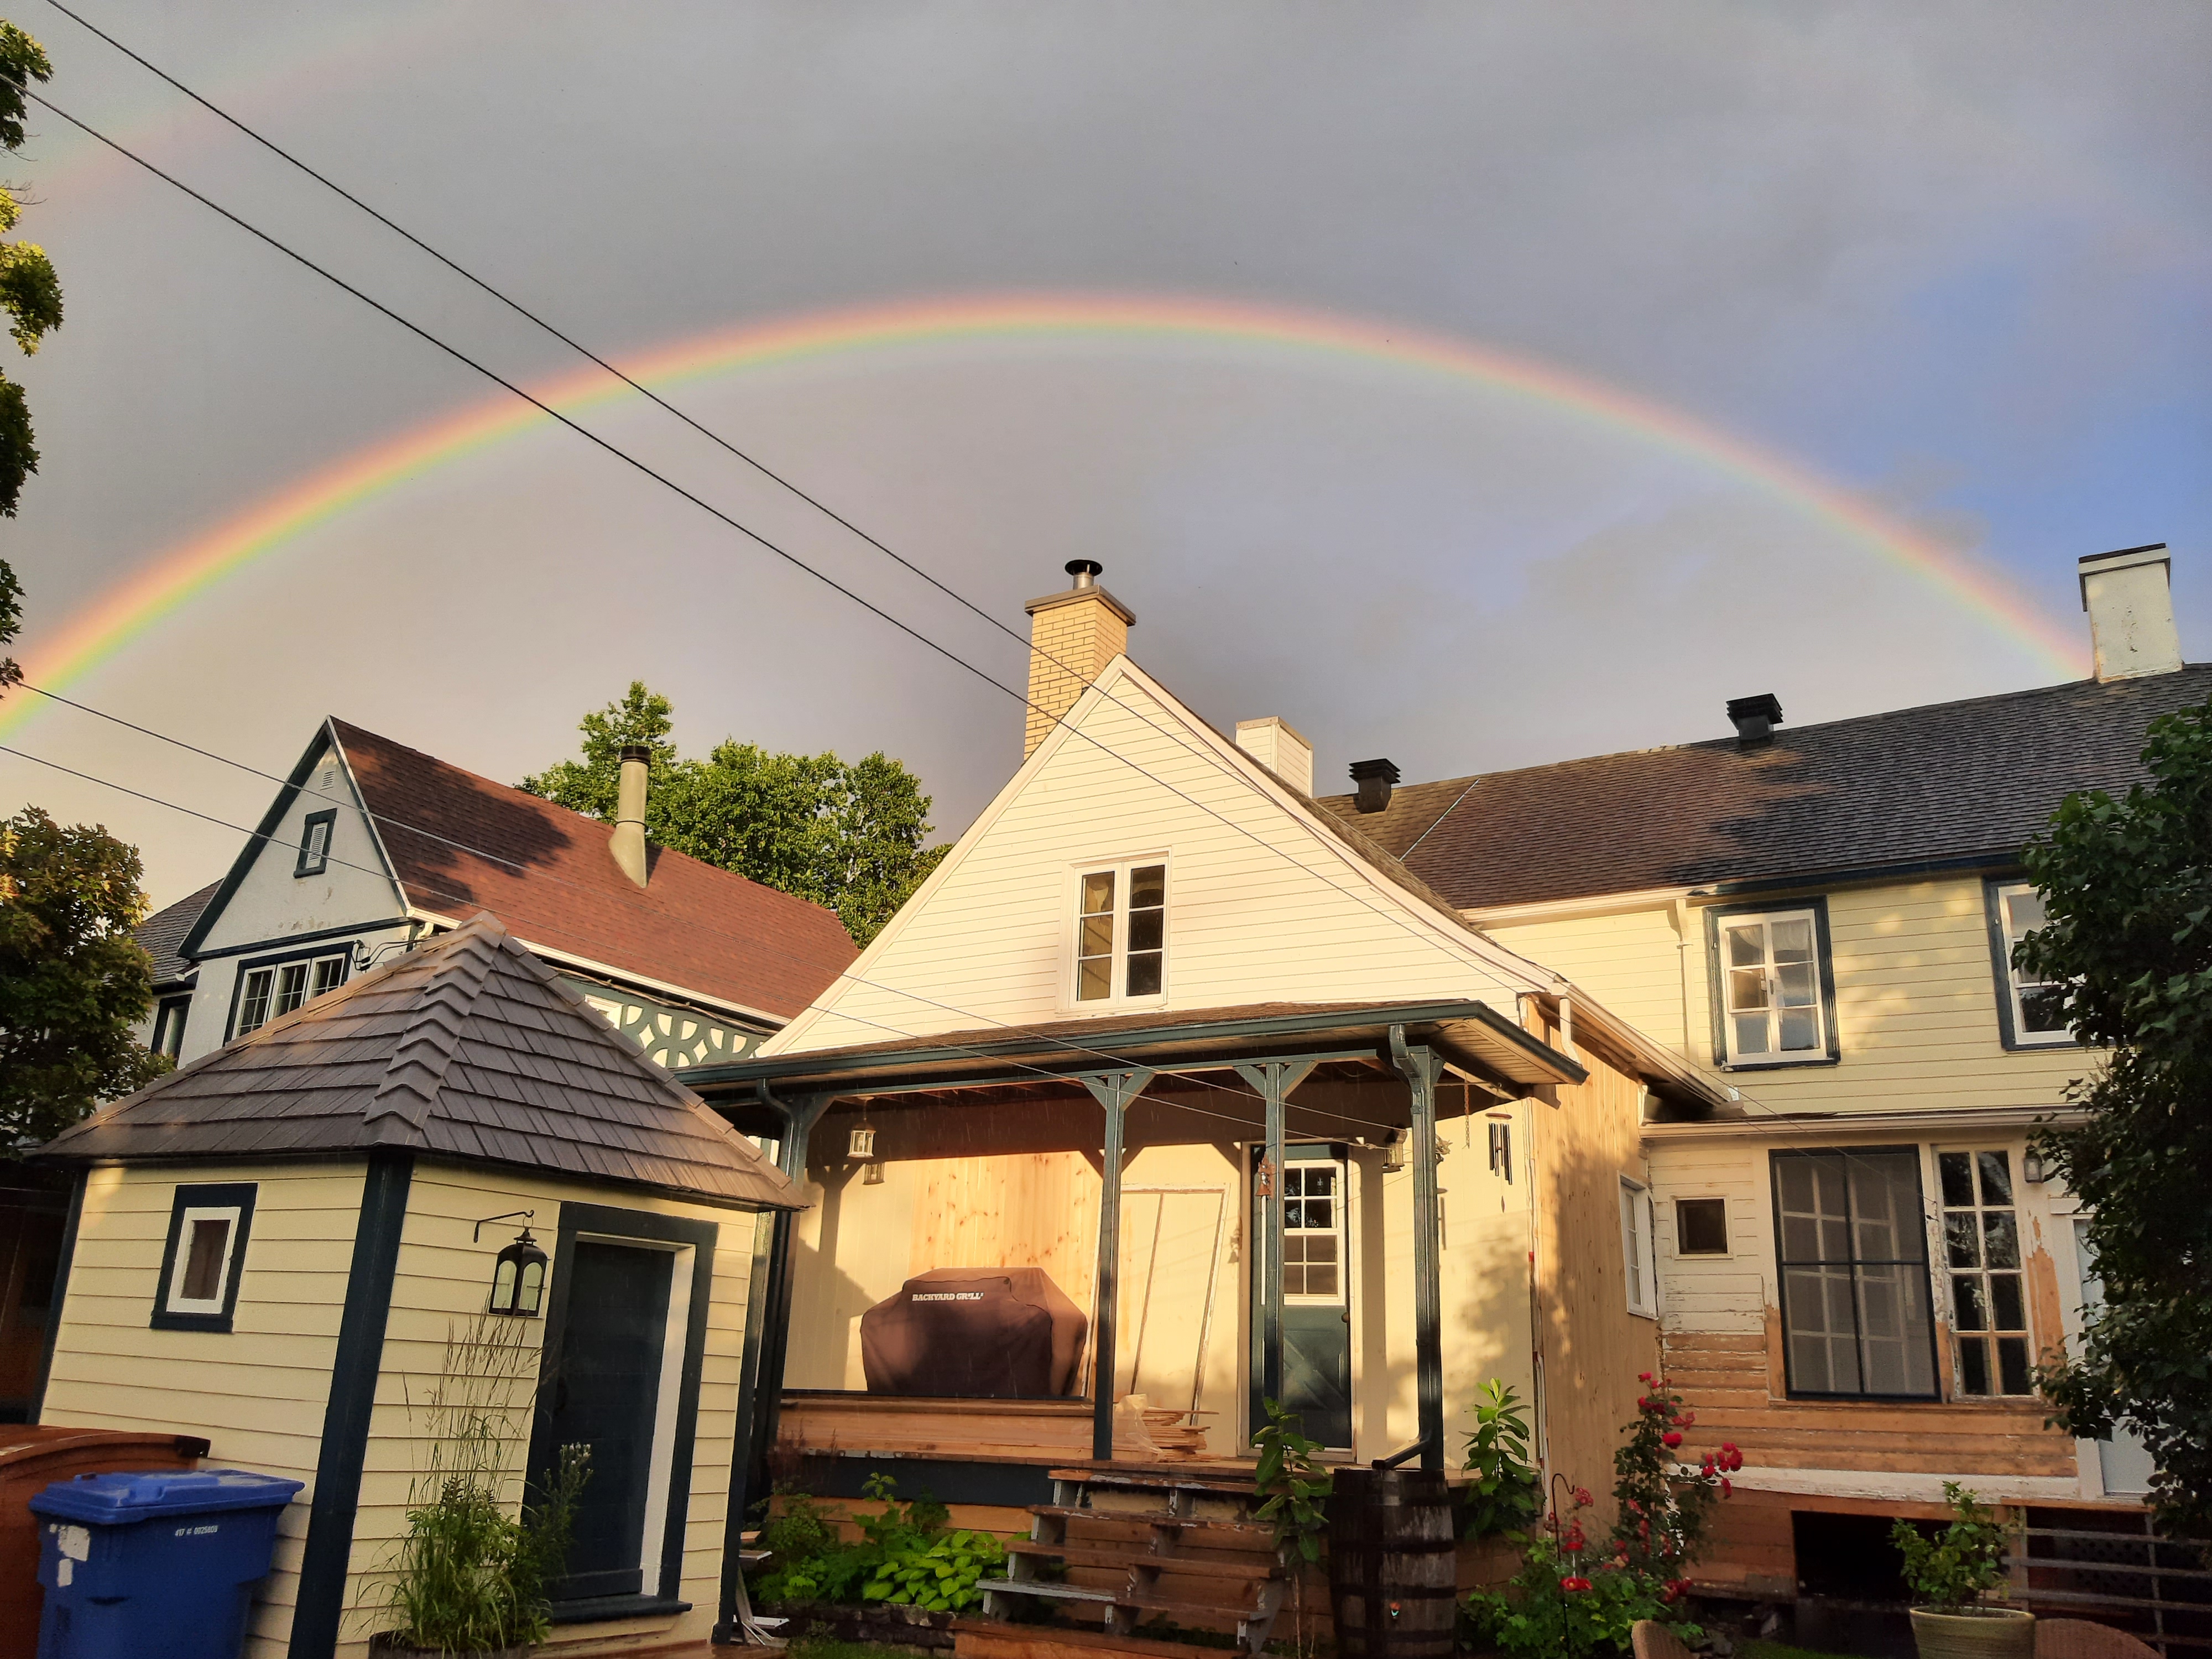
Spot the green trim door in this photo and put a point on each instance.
(1316, 1298)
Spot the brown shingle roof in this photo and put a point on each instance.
(550, 877)
(1948, 781)
(468, 1048)
(162, 933)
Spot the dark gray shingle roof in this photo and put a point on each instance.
(468, 1048)
(1948, 782)
(162, 933)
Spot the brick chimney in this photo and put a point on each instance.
(2129, 598)
(1074, 634)
(629, 843)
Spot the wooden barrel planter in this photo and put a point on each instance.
(1392, 1565)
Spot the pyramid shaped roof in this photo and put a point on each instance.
(468, 1048)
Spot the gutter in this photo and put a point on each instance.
(1828, 1126)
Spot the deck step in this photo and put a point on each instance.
(1187, 1566)
(1258, 1531)
(1136, 1601)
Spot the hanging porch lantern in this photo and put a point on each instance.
(861, 1147)
(518, 1279)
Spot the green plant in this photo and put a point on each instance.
(1962, 1565)
(1662, 1501)
(939, 1578)
(905, 1553)
(1565, 1604)
(1292, 1483)
(471, 1575)
(1505, 1494)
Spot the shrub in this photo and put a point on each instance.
(905, 1554)
(1292, 1483)
(1505, 1494)
(1663, 1502)
(1963, 1565)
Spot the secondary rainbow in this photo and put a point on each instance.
(184, 574)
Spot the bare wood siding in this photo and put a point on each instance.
(1593, 1347)
(257, 1393)
(990, 941)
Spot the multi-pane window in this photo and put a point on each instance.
(1120, 932)
(1313, 1232)
(267, 994)
(1770, 987)
(1981, 1247)
(2035, 1003)
(1636, 1249)
(1853, 1255)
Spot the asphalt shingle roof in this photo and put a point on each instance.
(468, 1048)
(546, 872)
(1954, 781)
(162, 933)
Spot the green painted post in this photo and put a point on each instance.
(1419, 1066)
(1114, 1090)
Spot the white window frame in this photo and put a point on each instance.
(1340, 1184)
(1990, 1333)
(1639, 1265)
(1823, 1051)
(311, 968)
(1117, 995)
(174, 1301)
(2001, 895)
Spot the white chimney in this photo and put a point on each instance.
(2129, 598)
(1276, 744)
(629, 843)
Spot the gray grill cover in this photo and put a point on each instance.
(978, 1332)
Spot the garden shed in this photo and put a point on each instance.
(278, 1247)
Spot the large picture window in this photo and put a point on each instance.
(1120, 932)
(1773, 989)
(2027, 1008)
(1852, 1248)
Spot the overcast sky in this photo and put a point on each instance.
(1953, 260)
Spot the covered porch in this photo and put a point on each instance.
(1238, 1205)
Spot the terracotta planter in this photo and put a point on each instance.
(1976, 1633)
(386, 1645)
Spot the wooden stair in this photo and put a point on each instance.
(1150, 1545)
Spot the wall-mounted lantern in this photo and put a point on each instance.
(518, 1275)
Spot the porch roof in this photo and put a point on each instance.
(1470, 1034)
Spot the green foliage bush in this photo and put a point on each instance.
(1963, 1565)
(1292, 1484)
(906, 1556)
(1505, 1495)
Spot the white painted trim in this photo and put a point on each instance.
(1980, 1120)
(360, 806)
(1571, 909)
(1913, 1488)
(628, 975)
(176, 1302)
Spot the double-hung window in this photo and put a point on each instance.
(1852, 1243)
(274, 989)
(1636, 1249)
(2029, 1007)
(169, 1026)
(1773, 987)
(1981, 1249)
(1120, 932)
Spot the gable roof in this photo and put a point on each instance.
(1957, 783)
(468, 1048)
(456, 843)
(162, 934)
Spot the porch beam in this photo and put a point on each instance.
(1272, 1081)
(1114, 1090)
(1037, 1075)
(1419, 1068)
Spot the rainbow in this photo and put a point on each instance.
(184, 574)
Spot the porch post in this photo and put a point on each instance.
(1419, 1066)
(1114, 1090)
(1272, 1081)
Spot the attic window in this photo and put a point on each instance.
(315, 843)
(204, 1257)
(1120, 932)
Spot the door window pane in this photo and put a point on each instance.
(1989, 1304)
(1854, 1268)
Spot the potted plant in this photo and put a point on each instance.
(1953, 1576)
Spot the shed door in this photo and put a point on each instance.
(605, 1389)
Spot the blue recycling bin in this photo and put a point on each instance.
(153, 1564)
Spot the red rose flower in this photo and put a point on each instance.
(1576, 1582)
(1670, 1439)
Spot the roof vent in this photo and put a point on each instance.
(1755, 718)
(1086, 572)
(1373, 778)
(629, 843)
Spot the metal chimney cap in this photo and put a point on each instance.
(1086, 572)
(1765, 705)
(637, 751)
(1362, 770)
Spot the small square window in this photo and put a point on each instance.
(315, 843)
(204, 1257)
(1701, 1226)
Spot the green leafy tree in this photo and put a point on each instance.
(2127, 888)
(847, 836)
(72, 979)
(31, 294)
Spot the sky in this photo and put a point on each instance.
(1524, 381)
